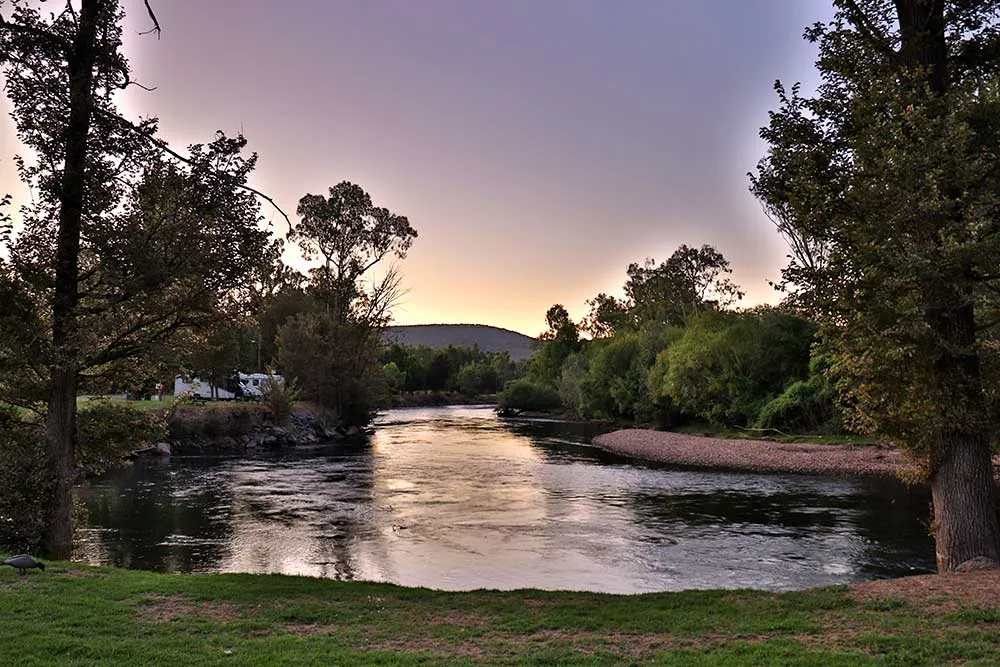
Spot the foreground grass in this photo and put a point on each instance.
(76, 615)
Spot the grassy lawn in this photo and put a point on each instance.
(77, 615)
(82, 402)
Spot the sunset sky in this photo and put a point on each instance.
(537, 146)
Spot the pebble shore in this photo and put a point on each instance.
(754, 455)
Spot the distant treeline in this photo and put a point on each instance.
(672, 351)
(466, 370)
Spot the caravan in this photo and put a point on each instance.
(245, 386)
(254, 385)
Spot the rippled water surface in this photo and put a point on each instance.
(453, 498)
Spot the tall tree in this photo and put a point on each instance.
(333, 351)
(121, 246)
(892, 170)
(349, 235)
(690, 280)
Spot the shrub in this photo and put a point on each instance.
(806, 406)
(108, 431)
(524, 394)
(280, 397)
(25, 481)
(727, 366)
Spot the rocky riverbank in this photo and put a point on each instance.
(245, 428)
(756, 455)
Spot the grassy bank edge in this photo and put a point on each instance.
(75, 615)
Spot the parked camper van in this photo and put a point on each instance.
(254, 385)
(249, 386)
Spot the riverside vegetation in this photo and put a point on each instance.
(133, 258)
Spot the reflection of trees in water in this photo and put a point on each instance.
(887, 519)
(305, 515)
(153, 517)
(882, 517)
(563, 442)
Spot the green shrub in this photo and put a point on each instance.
(478, 377)
(108, 431)
(25, 481)
(280, 397)
(523, 394)
(806, 406)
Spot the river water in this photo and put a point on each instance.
(454, 498)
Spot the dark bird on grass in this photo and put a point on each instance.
(23, 562)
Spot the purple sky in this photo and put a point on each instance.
(537, 146)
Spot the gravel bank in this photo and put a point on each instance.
(753, 455)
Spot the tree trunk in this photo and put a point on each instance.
(62, 399)
(963, 492)
(962, 486)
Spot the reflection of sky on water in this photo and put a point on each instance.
(452, 498)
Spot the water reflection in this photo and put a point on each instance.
(453, 498)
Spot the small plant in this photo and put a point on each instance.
(280, 398)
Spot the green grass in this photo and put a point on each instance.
(738, 434)
(83, 401)
(77, 615)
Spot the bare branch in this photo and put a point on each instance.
(152, 17)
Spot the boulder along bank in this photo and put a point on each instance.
(244, 428)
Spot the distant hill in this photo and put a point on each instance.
(489, 339)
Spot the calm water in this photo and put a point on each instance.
(453, 498)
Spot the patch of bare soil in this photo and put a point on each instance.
(309, 630)
(165, 608)
(935, 592)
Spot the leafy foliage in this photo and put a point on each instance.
(280, 397)
(525, 394)
(726, 366)
(109, 430)
(26, 482)
(887, 182)
(689, 281)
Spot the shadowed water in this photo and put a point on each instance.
(453, 498)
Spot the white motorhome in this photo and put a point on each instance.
(254, 385)
(242, 385)
(197, 388)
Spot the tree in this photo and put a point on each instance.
(349, 235)
(891, 168)
(690, 280)
(608, 315)
(333, 351)
(561, 339)
(121, 246)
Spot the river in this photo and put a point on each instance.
(454, 498)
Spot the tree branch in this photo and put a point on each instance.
(165, 147)
(152, 17)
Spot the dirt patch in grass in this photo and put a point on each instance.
(310, 629)
(89, 574)
(166, 608)
(934, 593)
(458, 619)
(428, 645)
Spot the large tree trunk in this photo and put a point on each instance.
(962, 489)
(62, 399)
(962, 486)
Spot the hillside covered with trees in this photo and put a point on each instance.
(486, 338)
